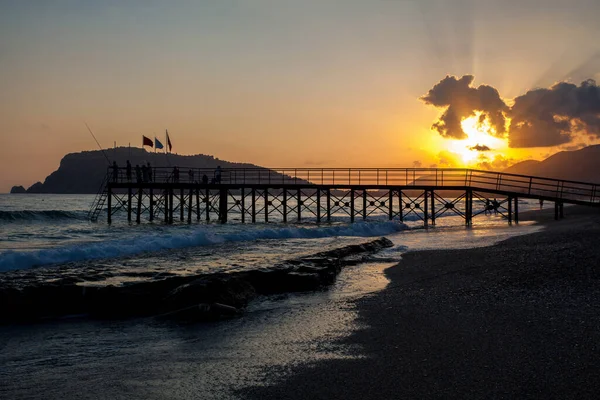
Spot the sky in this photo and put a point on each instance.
(311, 83)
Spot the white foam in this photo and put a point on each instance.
(11, 260)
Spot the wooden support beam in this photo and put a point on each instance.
(425, 213)
(401, 203)
(328, 204)
(207, 198)
(266, 193)
(253, 205)
(170, 206)
(516, 210)
(510, 216)
(129, 204)
(561, 208)
(364, 205)
(468, 207)
(109, 211)
(223, 193)
(197, 203)
(189, 210)
(181, 204)
(151, 194)
(299, 195)
(351, 205)
(243, 203)
(284, 205)
(166, 206)
(138, 214)
(432, 207)
(391, 205)
(318, 205)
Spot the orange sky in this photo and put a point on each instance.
(285, 84)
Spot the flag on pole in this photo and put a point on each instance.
(169, 145)
(146, 141)
(157, 143)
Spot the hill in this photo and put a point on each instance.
(579, 165)
(83, 172)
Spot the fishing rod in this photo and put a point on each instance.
(94, 136)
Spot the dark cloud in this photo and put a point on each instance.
(480, 147)
(550, 117)
(462, 101)
(544, 117)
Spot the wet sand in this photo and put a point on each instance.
(520, 319)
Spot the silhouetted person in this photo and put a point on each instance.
(128, 171)
(115, 172)
(191, 175)
(204, 179)
(138, 173)
(495, 204)
(488, 206)
(149, 173)
(175, 174)
(218, 174)
(144, 173)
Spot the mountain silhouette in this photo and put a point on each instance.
(579, 165)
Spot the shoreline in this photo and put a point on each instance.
(517, 319)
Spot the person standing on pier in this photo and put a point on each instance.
(175, 174)
(115, 172)
(204, 179)
(191, 175)
(144, 173)
(218, 174)
(149, 172)
(128, 171)
(138, 173)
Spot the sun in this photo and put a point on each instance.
(480, 140)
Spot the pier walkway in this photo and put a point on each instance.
(294, 194)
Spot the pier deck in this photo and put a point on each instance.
(294, 194)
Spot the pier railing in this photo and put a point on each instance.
(439, 178)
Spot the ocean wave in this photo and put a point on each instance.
(11, 260)
(40, 215)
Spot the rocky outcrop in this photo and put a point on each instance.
(18, 189)
(190, 297)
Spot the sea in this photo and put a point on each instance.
(50, 236)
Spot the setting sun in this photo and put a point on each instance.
(480, 141)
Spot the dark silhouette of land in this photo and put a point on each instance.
(84, 172)
(579, 165)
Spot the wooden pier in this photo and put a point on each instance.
(292, 195)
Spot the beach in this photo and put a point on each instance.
(520, 319)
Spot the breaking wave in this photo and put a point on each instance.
(11, 260)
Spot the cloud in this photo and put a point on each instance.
(551, 117)
(417, 164)
(461, 100)
(542, 117)
(480, 147)
(448, 159)
(498, 163)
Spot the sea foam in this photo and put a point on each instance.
(204, 236)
